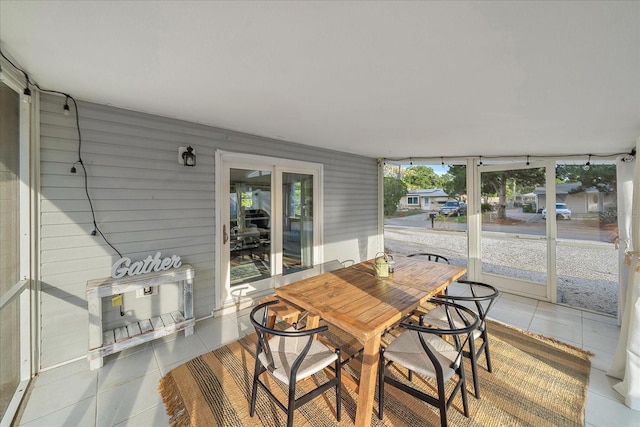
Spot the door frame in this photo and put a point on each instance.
(25, 291)
(223, 161)
(548, 291)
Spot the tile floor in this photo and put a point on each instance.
(124, 392)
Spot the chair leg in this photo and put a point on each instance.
(338, 386)
(463, 387)
(381, 383)
(254, 389)
(485, 338)
(442, 403)
(474, 367)
(291, 406)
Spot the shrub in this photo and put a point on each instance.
(486, 207)
(609, 215)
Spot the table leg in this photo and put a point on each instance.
(368, 377)
(313, 321)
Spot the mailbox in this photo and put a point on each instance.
(432, 215)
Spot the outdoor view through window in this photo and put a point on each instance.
(425, 211)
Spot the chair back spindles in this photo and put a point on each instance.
(483, 296)
(273, 354)
(444, 359)
(430, 257)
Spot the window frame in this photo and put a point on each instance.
(24, 291)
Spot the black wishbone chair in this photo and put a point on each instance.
(423, 349)
(480, 297)
(431, 257)
(290, 356)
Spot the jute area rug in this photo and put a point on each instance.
(535, 382)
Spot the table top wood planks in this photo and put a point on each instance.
(355, 300)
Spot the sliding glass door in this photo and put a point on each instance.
(297, 222)
(268, 223)
(249, 225)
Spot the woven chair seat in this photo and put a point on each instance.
(286, 350)
(407, 351)
(438, 317)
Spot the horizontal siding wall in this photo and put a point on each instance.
(146, 202)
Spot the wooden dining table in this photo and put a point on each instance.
(365, 306)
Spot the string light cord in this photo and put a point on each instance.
(96, 229)
(626, 156)
(26, 76)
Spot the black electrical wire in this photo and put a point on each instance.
(86, 178)
(411, 160)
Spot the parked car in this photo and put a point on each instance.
(562, 212)
(453, 207)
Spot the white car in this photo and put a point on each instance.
(562, 212)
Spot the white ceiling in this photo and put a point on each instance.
(381, 79)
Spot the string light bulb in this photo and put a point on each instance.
(629, 157)
(73, 167)
(480, 161)
(442, 160)
(587, 165)
(528, 163)
(66, 107)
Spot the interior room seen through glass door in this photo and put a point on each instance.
(249, 225)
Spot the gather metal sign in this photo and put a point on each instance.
(124, 266)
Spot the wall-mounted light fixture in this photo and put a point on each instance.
(186, 156)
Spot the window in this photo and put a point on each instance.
(412, 200)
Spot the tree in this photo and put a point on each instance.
(394, 190)
(454, 182)
(601, 177)
(496, 183)
(421, 177)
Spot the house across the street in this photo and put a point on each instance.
(588, 200)
(430, 199)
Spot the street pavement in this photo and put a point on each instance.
(577, 228)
